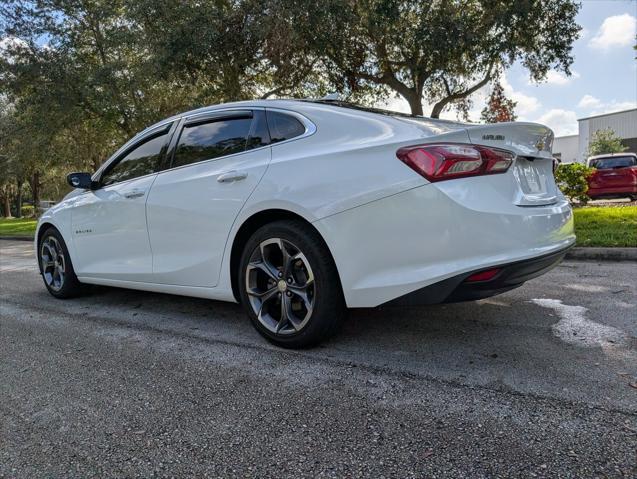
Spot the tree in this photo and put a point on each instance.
(441, 52)
(605, 141)
(499, 108)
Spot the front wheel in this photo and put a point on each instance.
(289, 285)
(56, 266)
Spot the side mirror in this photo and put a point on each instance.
(80, 180)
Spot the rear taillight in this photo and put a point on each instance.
(438, 162)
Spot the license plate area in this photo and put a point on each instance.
(535, 181)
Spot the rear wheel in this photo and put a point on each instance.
(289, 285)
(56, 266)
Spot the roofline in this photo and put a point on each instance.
(610, 155)
(607, 114)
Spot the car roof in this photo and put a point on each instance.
(611, 155)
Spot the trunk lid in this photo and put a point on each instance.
(530, 178)
(533, 167)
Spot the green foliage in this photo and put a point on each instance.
(438, 51)
(28, 211)
(605, 141)
(572, 178)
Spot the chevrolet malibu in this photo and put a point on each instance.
(299, 210)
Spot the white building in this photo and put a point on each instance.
(575, 147)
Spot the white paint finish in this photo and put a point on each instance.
(390, 231)
(574, 328)
(402, 243)
(190, 214)
(109, 233)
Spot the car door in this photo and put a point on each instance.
(217, 160)
(109, 223)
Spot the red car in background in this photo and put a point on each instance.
(615, 176)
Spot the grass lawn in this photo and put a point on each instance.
(17, 226)
(606, 226)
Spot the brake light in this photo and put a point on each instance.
(438, 162)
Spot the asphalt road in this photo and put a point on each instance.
(538, 382)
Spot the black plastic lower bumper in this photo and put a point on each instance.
(456, 289)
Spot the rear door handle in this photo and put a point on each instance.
(134, 194)
(231, 176)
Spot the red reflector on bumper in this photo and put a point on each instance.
(483, 275)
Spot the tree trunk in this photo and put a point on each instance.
(6, 206)
(415, 103)
(18, 199)
(437, 109)
(35, 190)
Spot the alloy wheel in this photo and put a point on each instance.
(280, 286)
(53, 263)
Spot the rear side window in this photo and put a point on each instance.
(283, 126)
(614, 162)
(142, 160)
(212, 139)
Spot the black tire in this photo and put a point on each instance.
(324, 293)
(69, 286)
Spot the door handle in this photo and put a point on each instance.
(134, 194)
(231, 176)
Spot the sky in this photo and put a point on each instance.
(604, 74)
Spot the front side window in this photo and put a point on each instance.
(212, 139)
(613, 162)
(142, 160)
(283, 127)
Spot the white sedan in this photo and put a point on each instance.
(301, 209)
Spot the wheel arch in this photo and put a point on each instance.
(252, 224)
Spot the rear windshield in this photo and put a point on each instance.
(614, 162)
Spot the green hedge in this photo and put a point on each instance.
(572, 178)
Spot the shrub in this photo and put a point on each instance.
(27, 210)
(572, 178)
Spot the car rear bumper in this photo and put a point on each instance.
(391, 247)
(612, 191)
(457, 288)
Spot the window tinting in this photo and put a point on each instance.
(614, 162)
(259, 136)
(205, 141)
(283, 127)
(140, 161)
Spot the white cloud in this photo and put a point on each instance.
(562, 122)
(554, 77)
(526, 104)
(612, 106)
(594, 106)
(589, 101)
(616, 31)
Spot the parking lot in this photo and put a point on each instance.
(540, 381)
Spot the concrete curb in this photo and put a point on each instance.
(602, 254)
(578, 253)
